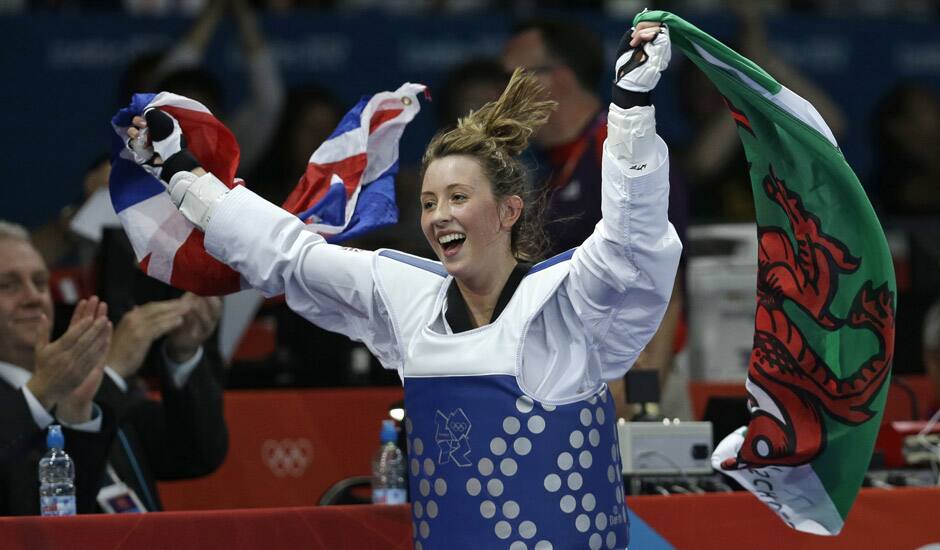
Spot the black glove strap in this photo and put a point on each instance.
(184, 161)
(626, 99)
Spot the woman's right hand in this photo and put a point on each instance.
(643, 54)
(158, 144)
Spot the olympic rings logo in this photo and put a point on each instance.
(287, 457)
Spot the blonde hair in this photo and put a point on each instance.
(495, 135)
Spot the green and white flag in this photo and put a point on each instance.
(824, 332)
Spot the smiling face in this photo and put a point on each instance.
(24, 298)
(466, 225)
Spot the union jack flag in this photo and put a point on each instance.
(347, 189)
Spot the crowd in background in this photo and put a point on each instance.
(165, 339)
(278, 127)
(873, 8)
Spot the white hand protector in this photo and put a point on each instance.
(160, 148)
(196, 196)
(163, 139)
(638, 69)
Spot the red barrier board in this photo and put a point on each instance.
(287, 447)
(899, 518)
(883, 519)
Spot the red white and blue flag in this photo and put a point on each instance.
(346, 191)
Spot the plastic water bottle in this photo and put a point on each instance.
(56, 477)
(388, 469)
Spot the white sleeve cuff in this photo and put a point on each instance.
(116, 378)
(179, 372)
(93, 425)
(631, 138)
(40, 415)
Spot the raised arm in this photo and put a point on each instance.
(273, 250)
(623, 274)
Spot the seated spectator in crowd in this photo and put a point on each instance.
(906, 130)
(114, 433)
(931, 350)
(42, 382)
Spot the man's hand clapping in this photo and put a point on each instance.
(68, 371)
(186, 321)
(200, 321)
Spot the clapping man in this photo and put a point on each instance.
(183, 435)
(119, 439)
(43, 381)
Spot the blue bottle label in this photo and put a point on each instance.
(389, 496)
(57, 505)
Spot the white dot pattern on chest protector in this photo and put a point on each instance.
(524, 404)
(473, 486)
(511, 509)
(536, 424)
(505, 514)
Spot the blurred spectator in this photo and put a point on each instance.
(182, 435)
(419, 6)
(906, 131)
(713, 159)
(12, 6)
(569, 60)
(58, 245)
(310, 115)
(126, 437)
(931, 349)
(163, 7)
(180, 71)
(39, 379)
(467, 87)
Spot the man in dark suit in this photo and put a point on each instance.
(183, 435)
(42, 381)
(120, 440)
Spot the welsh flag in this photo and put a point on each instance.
(824, 331)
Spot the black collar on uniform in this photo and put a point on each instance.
(458, 314)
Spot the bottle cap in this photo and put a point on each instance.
(54, 437)
(388, 433)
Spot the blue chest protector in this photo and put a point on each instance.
(491, 467)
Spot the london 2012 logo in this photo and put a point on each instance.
(451, 433)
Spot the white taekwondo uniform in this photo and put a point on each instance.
(511, 429)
